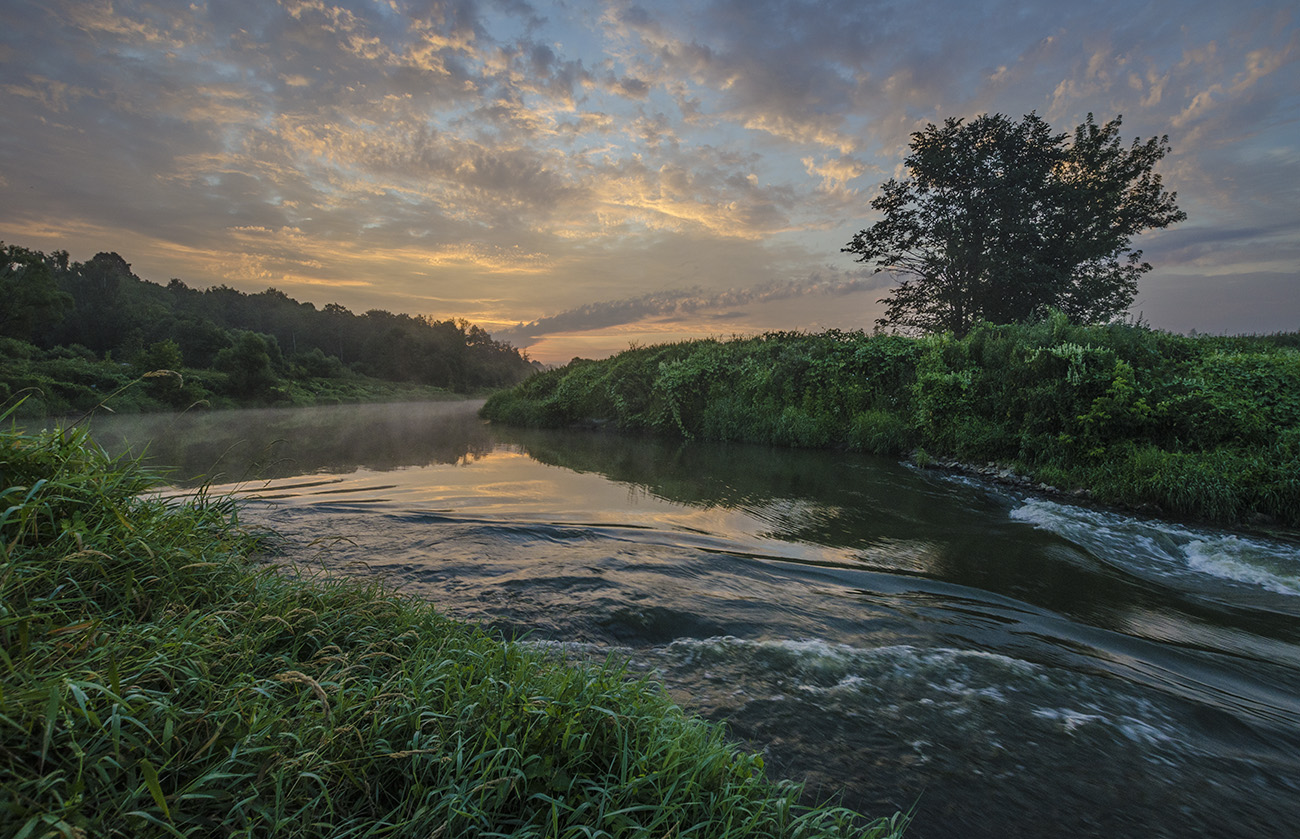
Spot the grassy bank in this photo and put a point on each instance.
(52, 383)
(1202, 427)
(158, 681)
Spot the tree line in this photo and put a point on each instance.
(66, 319)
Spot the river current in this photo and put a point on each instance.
(1003, 664)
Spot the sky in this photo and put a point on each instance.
(580, 176)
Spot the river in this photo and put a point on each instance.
(1003, 664)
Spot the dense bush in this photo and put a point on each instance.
(1200, 427)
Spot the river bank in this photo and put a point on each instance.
(1198, 429)
(38, 385)
(161, 680)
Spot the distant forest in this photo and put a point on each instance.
(70, 332)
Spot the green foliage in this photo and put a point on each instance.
(158, 682)
(102, 306)
(160, 355)
(68, 381)
(315, 364)
(880, 432)
(1002, 221)
(1119, 414)
(944, 389)
(1199, 427)
(29, 296)
(247, 365)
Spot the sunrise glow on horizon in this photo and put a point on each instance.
(580, 176)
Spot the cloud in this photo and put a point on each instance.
(836, 173)
(678, 303)
(54, 96)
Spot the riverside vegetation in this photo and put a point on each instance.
(1196, 427)
(159, 680)
(72, 333)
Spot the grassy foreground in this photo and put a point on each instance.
(156, 681)
(1202, 427)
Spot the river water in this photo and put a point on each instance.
(1004, 664)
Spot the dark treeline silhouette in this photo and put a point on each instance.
(250, 344)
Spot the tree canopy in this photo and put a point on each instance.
(1002, 221)
(29, 295)
(55, 310)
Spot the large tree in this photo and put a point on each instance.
(1001, 221)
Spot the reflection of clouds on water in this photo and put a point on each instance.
(1167, 549)
(912, 556)
(835, 499)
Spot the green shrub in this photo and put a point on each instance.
(879, 432)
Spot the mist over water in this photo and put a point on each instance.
(1007, 664)
(248, 446)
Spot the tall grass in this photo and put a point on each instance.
(1204, 427)
(157, 680)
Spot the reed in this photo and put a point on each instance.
(159, 679)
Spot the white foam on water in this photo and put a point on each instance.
(1243, 561)
(1069, 719)
(820, 659)
(974, 696)
(1135, 729)
(1141, 731)
(1168, 549)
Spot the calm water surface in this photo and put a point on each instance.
(1010, 665)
